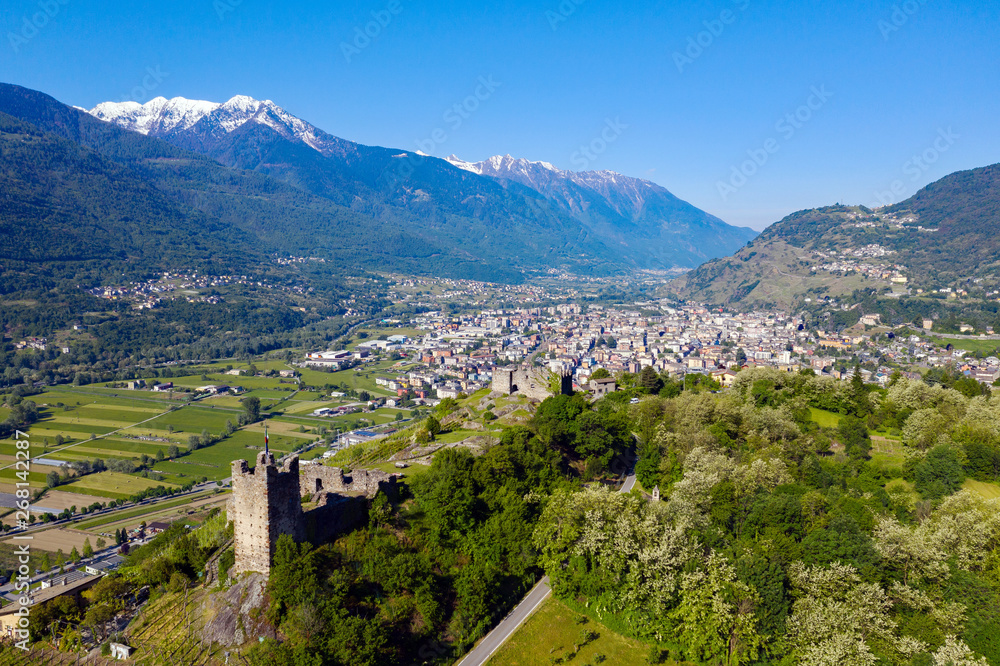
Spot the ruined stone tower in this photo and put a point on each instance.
(265, 504)
(532, 382)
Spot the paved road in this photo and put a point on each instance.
(510, 624)
(539, 593)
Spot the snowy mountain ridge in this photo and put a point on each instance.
(163, 118)
(573, 189)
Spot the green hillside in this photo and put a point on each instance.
(945, 236)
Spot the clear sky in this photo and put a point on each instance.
(687, 94)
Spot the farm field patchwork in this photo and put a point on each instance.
(160, 507)
(214, 462)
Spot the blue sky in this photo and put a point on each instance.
(748, 109)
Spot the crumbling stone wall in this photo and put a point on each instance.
(320, 478)
(334, 514)
(503, 381)
(531, 382)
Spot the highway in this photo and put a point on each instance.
(539, 593)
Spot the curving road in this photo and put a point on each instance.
(539, 593)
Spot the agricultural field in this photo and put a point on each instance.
(986, 347)
(553, 631)
(190, 420)
(214, 462)
(57, 539)
(887, 451)
(372, 334)
(112, 484)
(60, 499)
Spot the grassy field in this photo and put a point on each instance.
(112, 484)
(410, 473)
(461, 435)
(191, 420)
(91, 395)
(987, 490)
(824, 418)
(125, 515)
(552, 631)
(987, 347)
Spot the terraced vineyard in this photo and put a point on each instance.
(168, 632)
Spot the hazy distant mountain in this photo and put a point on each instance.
(636, 213)
(589, 221)
(946, 235)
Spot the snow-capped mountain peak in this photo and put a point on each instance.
(499, 164)
(164, 118)
(576, 190)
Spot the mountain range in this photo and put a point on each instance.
(596, 220)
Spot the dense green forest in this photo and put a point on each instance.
(780, 542)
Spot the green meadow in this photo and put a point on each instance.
(824, 418)
(112, 484)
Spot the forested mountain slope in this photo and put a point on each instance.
(945, 236)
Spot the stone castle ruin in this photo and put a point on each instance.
(528, 381)
(267, 502)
